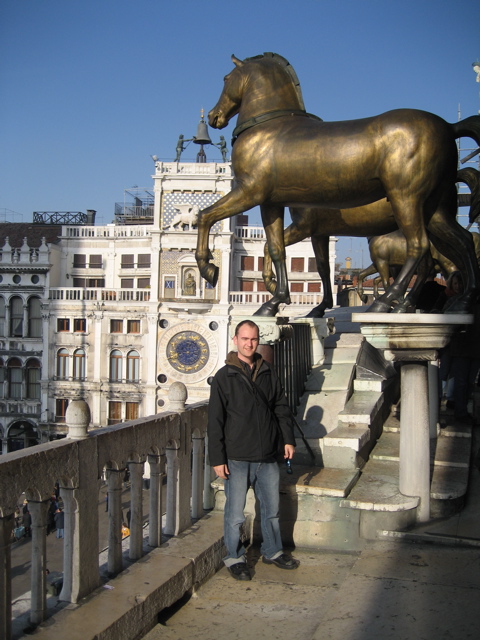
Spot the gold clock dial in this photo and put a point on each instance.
(188, 351)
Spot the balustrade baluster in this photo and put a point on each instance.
(197, 476)
(157, 473)
(38, 512)
(115, 479)
(6, 530)
(136, 510)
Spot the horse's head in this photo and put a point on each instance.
(228, 104)
(256, 85)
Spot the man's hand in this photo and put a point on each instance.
(222, 471)
(289, 451)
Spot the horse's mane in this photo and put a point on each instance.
(276, 57)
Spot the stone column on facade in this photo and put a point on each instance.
(6, 530)
(136, 510)
(38, 511)
(4, 445)
(99, 368)
(25, 322)
(157, 473)
(114, 491)
(198, 457)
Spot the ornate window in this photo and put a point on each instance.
(33, 372)
(79, 364)
(34, 318)
(116, 366)
(80, 325)
(61, 405)
(2, 316)
(133, 366)
(116, 326)
(16, 317)
(15, 378)
(2, 378)
(133, 326)
(62, 364)
(63, 324)
(114, 412)
(131, 411)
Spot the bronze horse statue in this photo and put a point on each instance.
(351, 222)
(284, 156)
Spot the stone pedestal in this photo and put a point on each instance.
(413, 340)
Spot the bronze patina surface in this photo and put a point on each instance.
(285, 157)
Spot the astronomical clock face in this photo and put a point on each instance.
(188, 352)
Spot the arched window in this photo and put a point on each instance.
(133, 366)
(33, 380)
(16, 317)
(2, 316)
(62, 364)
(34, 318)
(14, 378)
(116, 366)
(79, 364)
(2, 378)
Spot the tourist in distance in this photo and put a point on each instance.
(247, 415)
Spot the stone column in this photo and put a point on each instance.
(172, 484)
(197, 476)
(136, 510)
(38, 512)
(114, 490)
(157, 473)
(434, 397)
(413, 339)
(6, 529)
(415, 437)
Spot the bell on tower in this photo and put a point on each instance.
(202, 138)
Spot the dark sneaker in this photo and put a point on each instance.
(282, 562)
(239, 571)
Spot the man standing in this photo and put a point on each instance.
(246, 413)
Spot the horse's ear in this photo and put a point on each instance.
(236, 61)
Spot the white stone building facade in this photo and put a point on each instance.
(116, 314)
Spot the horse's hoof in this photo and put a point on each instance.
(379, 307)
(210, 273)
(267, 310)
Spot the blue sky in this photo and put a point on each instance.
(92, 88)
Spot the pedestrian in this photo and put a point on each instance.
(248, 421)
(52, 509)
(27, 523)
(59, 522)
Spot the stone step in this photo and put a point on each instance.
(446, 450)
(340, 340)
(318, 412)
(341, 355)
(377, 489)
(362, 407)
(351, 437)
(330, 377)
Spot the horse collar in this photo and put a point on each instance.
(265, 117)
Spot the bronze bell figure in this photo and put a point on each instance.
(202, 138)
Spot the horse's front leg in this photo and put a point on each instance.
(273, 220)
(236, 201)
(291, 235)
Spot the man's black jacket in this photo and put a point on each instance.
(240, 425)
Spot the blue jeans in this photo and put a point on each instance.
(264, 477)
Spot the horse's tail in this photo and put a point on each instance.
(471, 177)
(468, 128)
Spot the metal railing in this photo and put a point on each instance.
(293, 361)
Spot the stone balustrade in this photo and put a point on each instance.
(171, 444)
